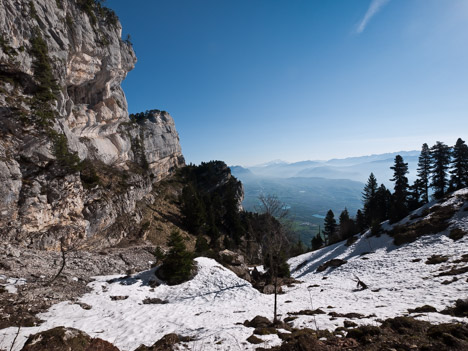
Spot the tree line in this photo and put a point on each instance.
(441, 169)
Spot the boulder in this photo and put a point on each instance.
(236, 263)
(167, 343)
(66, 339)
(336, 262)
(231, 258)
(258, 322)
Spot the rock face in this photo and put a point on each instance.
(61, 103)
(155, 143)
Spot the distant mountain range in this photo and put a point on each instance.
(352, 168)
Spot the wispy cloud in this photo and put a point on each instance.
(374, 7)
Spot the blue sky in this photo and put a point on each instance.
(248, 81)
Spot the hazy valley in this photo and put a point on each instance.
(310, 188)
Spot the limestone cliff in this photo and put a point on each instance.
(72, 163)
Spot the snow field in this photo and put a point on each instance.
(212, 307)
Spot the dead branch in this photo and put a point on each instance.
(64, 253)
(360, 283)
(16, 336)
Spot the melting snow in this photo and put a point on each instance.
(11, 283)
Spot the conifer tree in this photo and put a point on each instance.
(201, 245)
(178, 263)
(424, 172)
(368, 197)
(317, 241)
(416, 195)
(382, 204)
(399, 207)
(213, 231)
(346, 225)
(440, 156)
(192, 209)
(158, 254)
(360, 221)
(400, 170)
(330, 226)
(459, 171)
(297, 248)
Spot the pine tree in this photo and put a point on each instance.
(424, 172)
(330, 226)
(416, 195)
(192, 209)
(459, 172)
(382, 203)
(158, 254)
(440, 156)
(346, 225)
(399, 207)
(201, 245)
(368, 197)
(213, 231)
(178, 263)
(297, 248)
(317, 241)
(400, 170)
(360, 221)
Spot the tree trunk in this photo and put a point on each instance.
(276, 293)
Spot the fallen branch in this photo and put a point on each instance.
(360, 283)
(64, 253)
(16, 337)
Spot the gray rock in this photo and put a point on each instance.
(231, 258)
(236, 263)
(118, 298)
(154, 301)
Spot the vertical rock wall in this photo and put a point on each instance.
(44, 195)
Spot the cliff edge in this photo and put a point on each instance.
(73, 166)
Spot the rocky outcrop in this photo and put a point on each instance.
(167, 343)
(236, 263)
(155, 142)
(72, 163)
(61, 338)
(216, 175)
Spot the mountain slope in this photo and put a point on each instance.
(212, 307)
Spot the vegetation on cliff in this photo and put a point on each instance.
(96, 11)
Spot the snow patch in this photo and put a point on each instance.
(10, 284)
